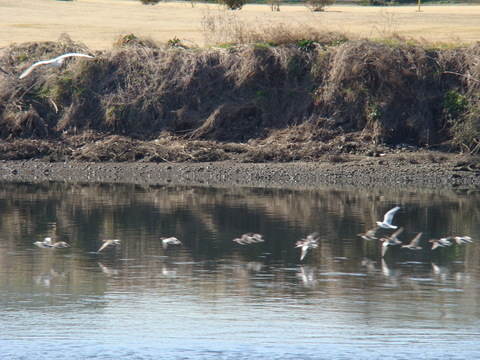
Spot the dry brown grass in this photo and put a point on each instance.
(292, 103)
(97, 23)
(144, 99)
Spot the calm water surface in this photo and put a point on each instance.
(214, 299)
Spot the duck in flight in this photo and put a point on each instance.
(309, 243)
(370, 234)
(112, 242)
(388, 218)
(463, 239)
(166, 242)
(47, 244)
(391, 241)
(56, 62)
(60, 245)
(249, 238)
(443, 242)
(414, 243)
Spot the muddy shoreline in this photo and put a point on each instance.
(362, 171)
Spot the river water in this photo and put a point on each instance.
(211, 298)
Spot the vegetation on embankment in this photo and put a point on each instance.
(299, 99)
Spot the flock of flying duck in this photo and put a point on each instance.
(311, 240)
(393, 240)
(47, 243)
(249, 238)
(309, 243)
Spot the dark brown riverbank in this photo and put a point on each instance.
(318, 111)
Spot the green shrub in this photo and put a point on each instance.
(175, 42)
(463, 117)
(233, 4)
(465, 130)
(454, 103)
(318, 5)
(307, 44)
(381, 2)
(149, 2)
(274, 4)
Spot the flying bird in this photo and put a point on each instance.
(443, 242)
(387, 219)
(463, 239)
(370, 234)
(391, 241)
(60, 245)
(309, 243)
(45, 244)
(170, 241)
(112, 242)
(414, 243)
(249, 238)
(56, 62)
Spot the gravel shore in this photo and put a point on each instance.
(423, 170)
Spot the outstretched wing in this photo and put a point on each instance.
(44, 62)
(384, 248)
(373, 232)
(415, 240)
(396, 233)
(304, 252)
(313, 236)
(388, 218)
(32, 67)
(105, 244)
(64, 56)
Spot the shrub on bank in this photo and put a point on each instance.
(149, 2)
(318, 5)
(384, 93)
(233, 4)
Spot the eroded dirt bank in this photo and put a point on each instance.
(298, 99)
(324, 110)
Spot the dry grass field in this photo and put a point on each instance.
(98, 23)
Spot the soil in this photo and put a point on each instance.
(422, 170)
(93, 157)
